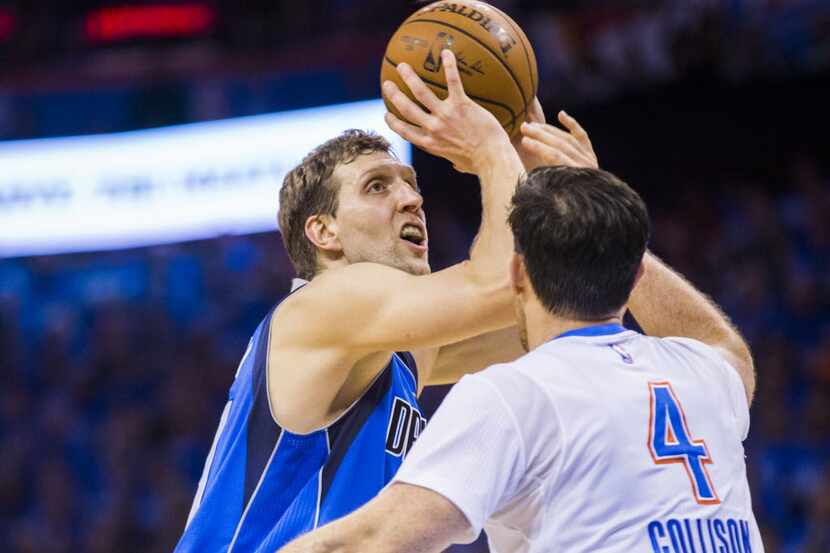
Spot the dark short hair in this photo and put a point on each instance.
(582, 233)
(309, 189)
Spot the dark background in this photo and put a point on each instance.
(116, 364)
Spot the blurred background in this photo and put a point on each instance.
(116, 362)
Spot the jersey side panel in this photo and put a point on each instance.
(371, 456)
(222, 501)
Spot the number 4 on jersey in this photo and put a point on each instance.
(669, 441)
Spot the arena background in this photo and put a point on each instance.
(116, 364)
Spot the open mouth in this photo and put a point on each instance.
(414, 235)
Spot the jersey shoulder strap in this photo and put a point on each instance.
(409, 361)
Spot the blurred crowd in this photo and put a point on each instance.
(278, 55)
(116, 365)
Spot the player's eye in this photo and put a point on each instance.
(376, 186)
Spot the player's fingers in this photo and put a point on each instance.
(454, 84)
(419, 89)
(407, 131)
(548, 129)
(554, 138)
(547, 154)
(535, 113)
(576, 129)
(406, 107)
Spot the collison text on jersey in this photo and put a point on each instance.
(710, 535)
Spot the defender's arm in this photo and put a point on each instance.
(666, 304)
(663, 302)
(403, 518)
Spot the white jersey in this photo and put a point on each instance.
(601, 440)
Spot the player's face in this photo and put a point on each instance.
(380, 218)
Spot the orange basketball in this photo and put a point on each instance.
(495, 59)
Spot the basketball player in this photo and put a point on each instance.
(322, 410)
(600, 438)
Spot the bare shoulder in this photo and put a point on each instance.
(315, 367)
(316, 314)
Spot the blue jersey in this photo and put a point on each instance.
(263, 486)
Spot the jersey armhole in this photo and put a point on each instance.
(409, 361)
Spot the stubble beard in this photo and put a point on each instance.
(407, 263)
(396, 260)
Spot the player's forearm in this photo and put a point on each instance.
(331, 538)
(347, 535)
(499, 173)
(487, 269)
(666, 304)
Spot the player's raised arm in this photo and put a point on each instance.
(538, 144)
(663, 302)
(666, 304)
(366, 308)
(389, 309)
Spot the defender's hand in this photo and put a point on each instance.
(456, 129)
(535, 114)
(550, 145)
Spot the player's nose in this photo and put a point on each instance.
(409, 199)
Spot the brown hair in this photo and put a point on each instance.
(309, 189)
(582, 233)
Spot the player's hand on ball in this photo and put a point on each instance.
(456, 128)
(535, 114)
(549, 145)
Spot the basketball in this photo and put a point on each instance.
(495, 58)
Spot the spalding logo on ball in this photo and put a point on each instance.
(495, 59)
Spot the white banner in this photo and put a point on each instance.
(162, 185)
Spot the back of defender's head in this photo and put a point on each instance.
(582, 234)
(309, 189)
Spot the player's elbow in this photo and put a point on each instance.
(747, 372)
(740, 357)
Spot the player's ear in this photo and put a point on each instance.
(518, 274)
(321, 230)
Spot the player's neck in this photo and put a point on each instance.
(543, 326)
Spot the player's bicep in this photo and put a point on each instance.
(385, 309)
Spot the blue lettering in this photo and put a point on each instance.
(689, 536)
(745, 537)
(733, 535)
(726, 535)
(720, 532)
(655, 528)
(700, 535)
(676, 535)
(711, 536)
